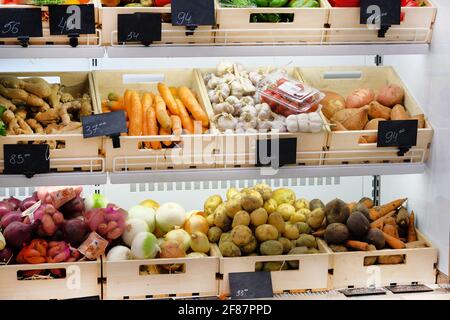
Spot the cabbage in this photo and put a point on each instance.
(144, 246)
(95, 201)
(144, 213)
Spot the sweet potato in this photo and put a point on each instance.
(352, 119)
(391, 95)
(359, 98)
(399, 113)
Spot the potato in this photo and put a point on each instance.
(359, 98)
(232, 207)
(300, 204)
(286, 211)
(264, 189)
(212, 203)
(232, 193)
(391, 95)
(332, 103)
(270, 205)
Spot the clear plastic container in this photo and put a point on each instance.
(286, 96)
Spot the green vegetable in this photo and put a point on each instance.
(262, 3)
(238, 3)
(278, 3)
(304, 4)
(2, 124)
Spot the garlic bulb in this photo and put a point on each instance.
(292, 123)
(278, 125)
(255, 77)
(247, 120)
(224, 67)
(223, 91)
(214, 81)
(213, 96)
(264, 112)
(250, 109)
(248, 86)
(226, 121)
(223, 107)
(237, 89)
(229, 77)
(264, 125)
(207, 76)
(247, 101)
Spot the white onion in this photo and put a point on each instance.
(180, 236)
(144, 246)
(170, 215)
(119, 253)
(144, 213)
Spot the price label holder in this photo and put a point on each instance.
(72, 20)
(192, 14)
(410, 288)
(139, 27)
(250, 285)
(276, 152)
(21, 23)
(359, 292)
(27, 159)
(398, 133)
(110, 124)
(380, 13)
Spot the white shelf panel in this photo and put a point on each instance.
(52, 52)
(54, 179)
(222, 174)
(264, 50)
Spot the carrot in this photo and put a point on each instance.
(105, 108)
(116, 105)
(126, 101)
(412, 235)
(376, 213)
(147, 102)
(188, 98)
(357, 245)
(152, 126)
(186, 120)
(136, 115)
(176, 125)
(104, 104)
(165, 93)
(161, 113)
(379, 223)
(391, 230)
(393, 242)
(319, 233)
(164, 132)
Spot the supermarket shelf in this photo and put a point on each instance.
(46, 52)
(264, 50)
(54, 179)
(223, 174)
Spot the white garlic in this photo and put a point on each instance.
(264, 125)
(254, 77)
(224, 67)
(237, 89)
(213, 96)
(226, 121)
(223, 90)
(247, 101)
(292, 123)
(250, 109)
(223, 107)
(264, 112)
(228, 77)
(207, 76)
(278, 125)
(248, 86)
(213, 82)
(232, 100)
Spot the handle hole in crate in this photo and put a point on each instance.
(41, 274)
(392, 259)
(162, 269)
(282, 265)
(343, 75)
(271, 18)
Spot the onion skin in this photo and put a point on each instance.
(359, 98)
(196, 222)
(14, 202)
(171, 250)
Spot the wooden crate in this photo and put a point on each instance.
(235, 25)
(47, 39)
(311, 275)
(79, 154)
(419, 266)
(194, 151)
(344, 146)
(169, 34)
(81, 281)
(240, 149)
(124, 281)
(417, 26)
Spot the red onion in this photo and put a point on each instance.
(5, 255)
(10, 217)
(14, 202)
(5, 208)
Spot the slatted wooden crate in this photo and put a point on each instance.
(81, 280)
(236, 26)
(125, 280)
(193, 151)
(417, 26)
(344, 146)
(312, 273)
(78, 154)
(169, 34)
(47, 39)
(419, 266)
(240, 149)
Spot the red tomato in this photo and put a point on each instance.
(162, 3)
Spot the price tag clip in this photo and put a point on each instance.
(383, 30)
(190, 30)
(24, 41)
(115, 141)
(73, 39)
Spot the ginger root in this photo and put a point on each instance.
(7, 104)
(66, 97)
(24, 126)
(48, 117)
(37, 86)
(36, 126)
(86, 106)
(10, 120)
(55, 96)
(22, 95)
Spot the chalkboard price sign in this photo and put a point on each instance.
(139, 27)
(72, 19)
(380, 12)
(276, 152)
(27, 159)
(20, 22)
(105, 124)
(250, 285)
(193, 13)
(397, 133)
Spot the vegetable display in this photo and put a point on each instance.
(34, 106)
(246, 101)
(54, 225)
(171, 111)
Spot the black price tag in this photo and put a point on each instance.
(397, 133)
(380, 12)
(358, 292)
(104, 124)
(139, 27)
(412, 288)
(20, 22)
(250, 285)
(27, 159)
(72, 19)
(276, 152)
(193, 13)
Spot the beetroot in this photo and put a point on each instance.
(75, 231)
(10, 217)
(74, 208)
(5, 208)
(18, 234)
(14, 202)
(5, 255)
